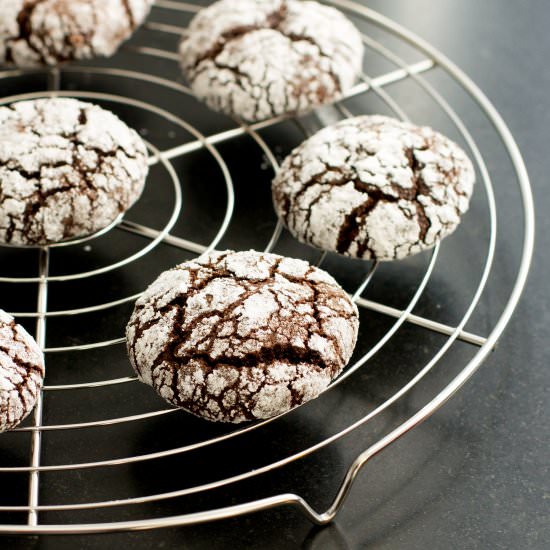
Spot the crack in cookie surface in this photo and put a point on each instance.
(373, 187)
(256, 59)
(21, 372)
(241, 335)
(67, 169)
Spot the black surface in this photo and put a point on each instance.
(473, 476)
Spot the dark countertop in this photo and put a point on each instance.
(475, 475)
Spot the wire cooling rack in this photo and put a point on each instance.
(82, 294)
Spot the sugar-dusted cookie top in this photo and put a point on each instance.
(373, 187)
(21, 372)
(238, 336)
(48, 32)
(261, 58)
(67, 169)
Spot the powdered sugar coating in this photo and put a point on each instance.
(236, 336)
(67, 169)
(47, 32)
(374, 187)
(21, 372)
(262, 58)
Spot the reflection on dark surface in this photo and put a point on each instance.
(329, 536)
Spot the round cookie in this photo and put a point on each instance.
(237, 336)
(48, 32)
(67, 169)
(21, 372)
(261, 58)
(373, 187)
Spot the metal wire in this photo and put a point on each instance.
(155, 237)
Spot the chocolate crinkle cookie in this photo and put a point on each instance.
(373, 187)
(237, 336)
(21, 372)
(48, 32)
(261, 58)
(67, 169)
